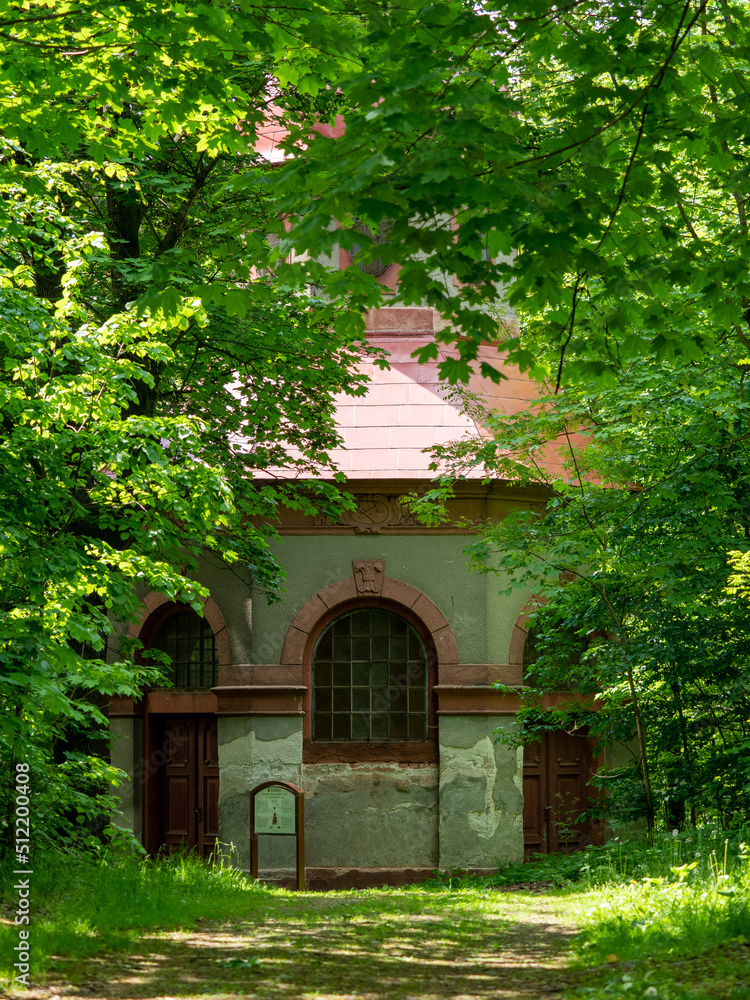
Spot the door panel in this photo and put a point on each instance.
(534, 798)
(189, 784)
(208, 782)
(177, 788)
(555, 774)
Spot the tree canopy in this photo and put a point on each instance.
(170, 324)
(590, 160)
(589, 157)
(153, 360)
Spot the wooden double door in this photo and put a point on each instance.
(188, 809)
(556, 772)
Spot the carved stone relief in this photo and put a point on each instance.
(374, 512)
(369, 576)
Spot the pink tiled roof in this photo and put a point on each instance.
(388, 433)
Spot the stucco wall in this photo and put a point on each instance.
(254, 749)
(232, 592)
(481, 794)
(481, 620)
(126, 753)
(465, 811)
(371, 815)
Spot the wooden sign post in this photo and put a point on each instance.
(278, 808)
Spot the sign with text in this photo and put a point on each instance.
(278, 807)
(275, 810)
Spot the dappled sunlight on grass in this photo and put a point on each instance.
(677, 928)
(380, 943)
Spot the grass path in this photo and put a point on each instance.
(387, 944)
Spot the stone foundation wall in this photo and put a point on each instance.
(465, 812)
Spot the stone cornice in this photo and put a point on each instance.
(379, 512)
(260, 699)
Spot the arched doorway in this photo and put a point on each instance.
(181, 765)
(557, 771)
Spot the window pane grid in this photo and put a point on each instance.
(189, 642)
(370, 680)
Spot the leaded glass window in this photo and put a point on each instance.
(370, 680)
(188, 640)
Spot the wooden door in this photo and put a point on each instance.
(535, 797)
(189, 784)
(556, 770)
(208, 787)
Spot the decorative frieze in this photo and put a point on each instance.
(374, 511)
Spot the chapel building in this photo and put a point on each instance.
(370, 684)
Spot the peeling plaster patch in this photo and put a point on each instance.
(251, 751)
(284, 751)
(475, 762)
(408, 805)
(343, 778)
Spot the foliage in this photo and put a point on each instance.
(701, 904)
(648, 499)
(589, 158)
(151, 359)
(704, 853)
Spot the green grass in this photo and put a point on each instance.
(676, 923)
(668, 920)
(619, 862)
(82, 906)
(179, 928)
(667, 917)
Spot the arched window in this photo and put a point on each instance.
(189, 642)
(370, 680)
(562, 653)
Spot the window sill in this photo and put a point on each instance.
(351, 752)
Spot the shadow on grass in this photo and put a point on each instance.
(399, 945)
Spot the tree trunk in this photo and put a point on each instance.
(645, 775)
(123, 231)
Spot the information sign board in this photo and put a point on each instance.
(275, 810)
(278, 808)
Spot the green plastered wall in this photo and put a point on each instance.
(126, 753)
(482, 620)
(464, 812)
(371, 815)
(481, 793)
(364, 815)
(254, 749)
(232, 592)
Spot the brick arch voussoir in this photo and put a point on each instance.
(520, 631)
(154, 602)
(395, 592)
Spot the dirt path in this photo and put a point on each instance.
(338, 947)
